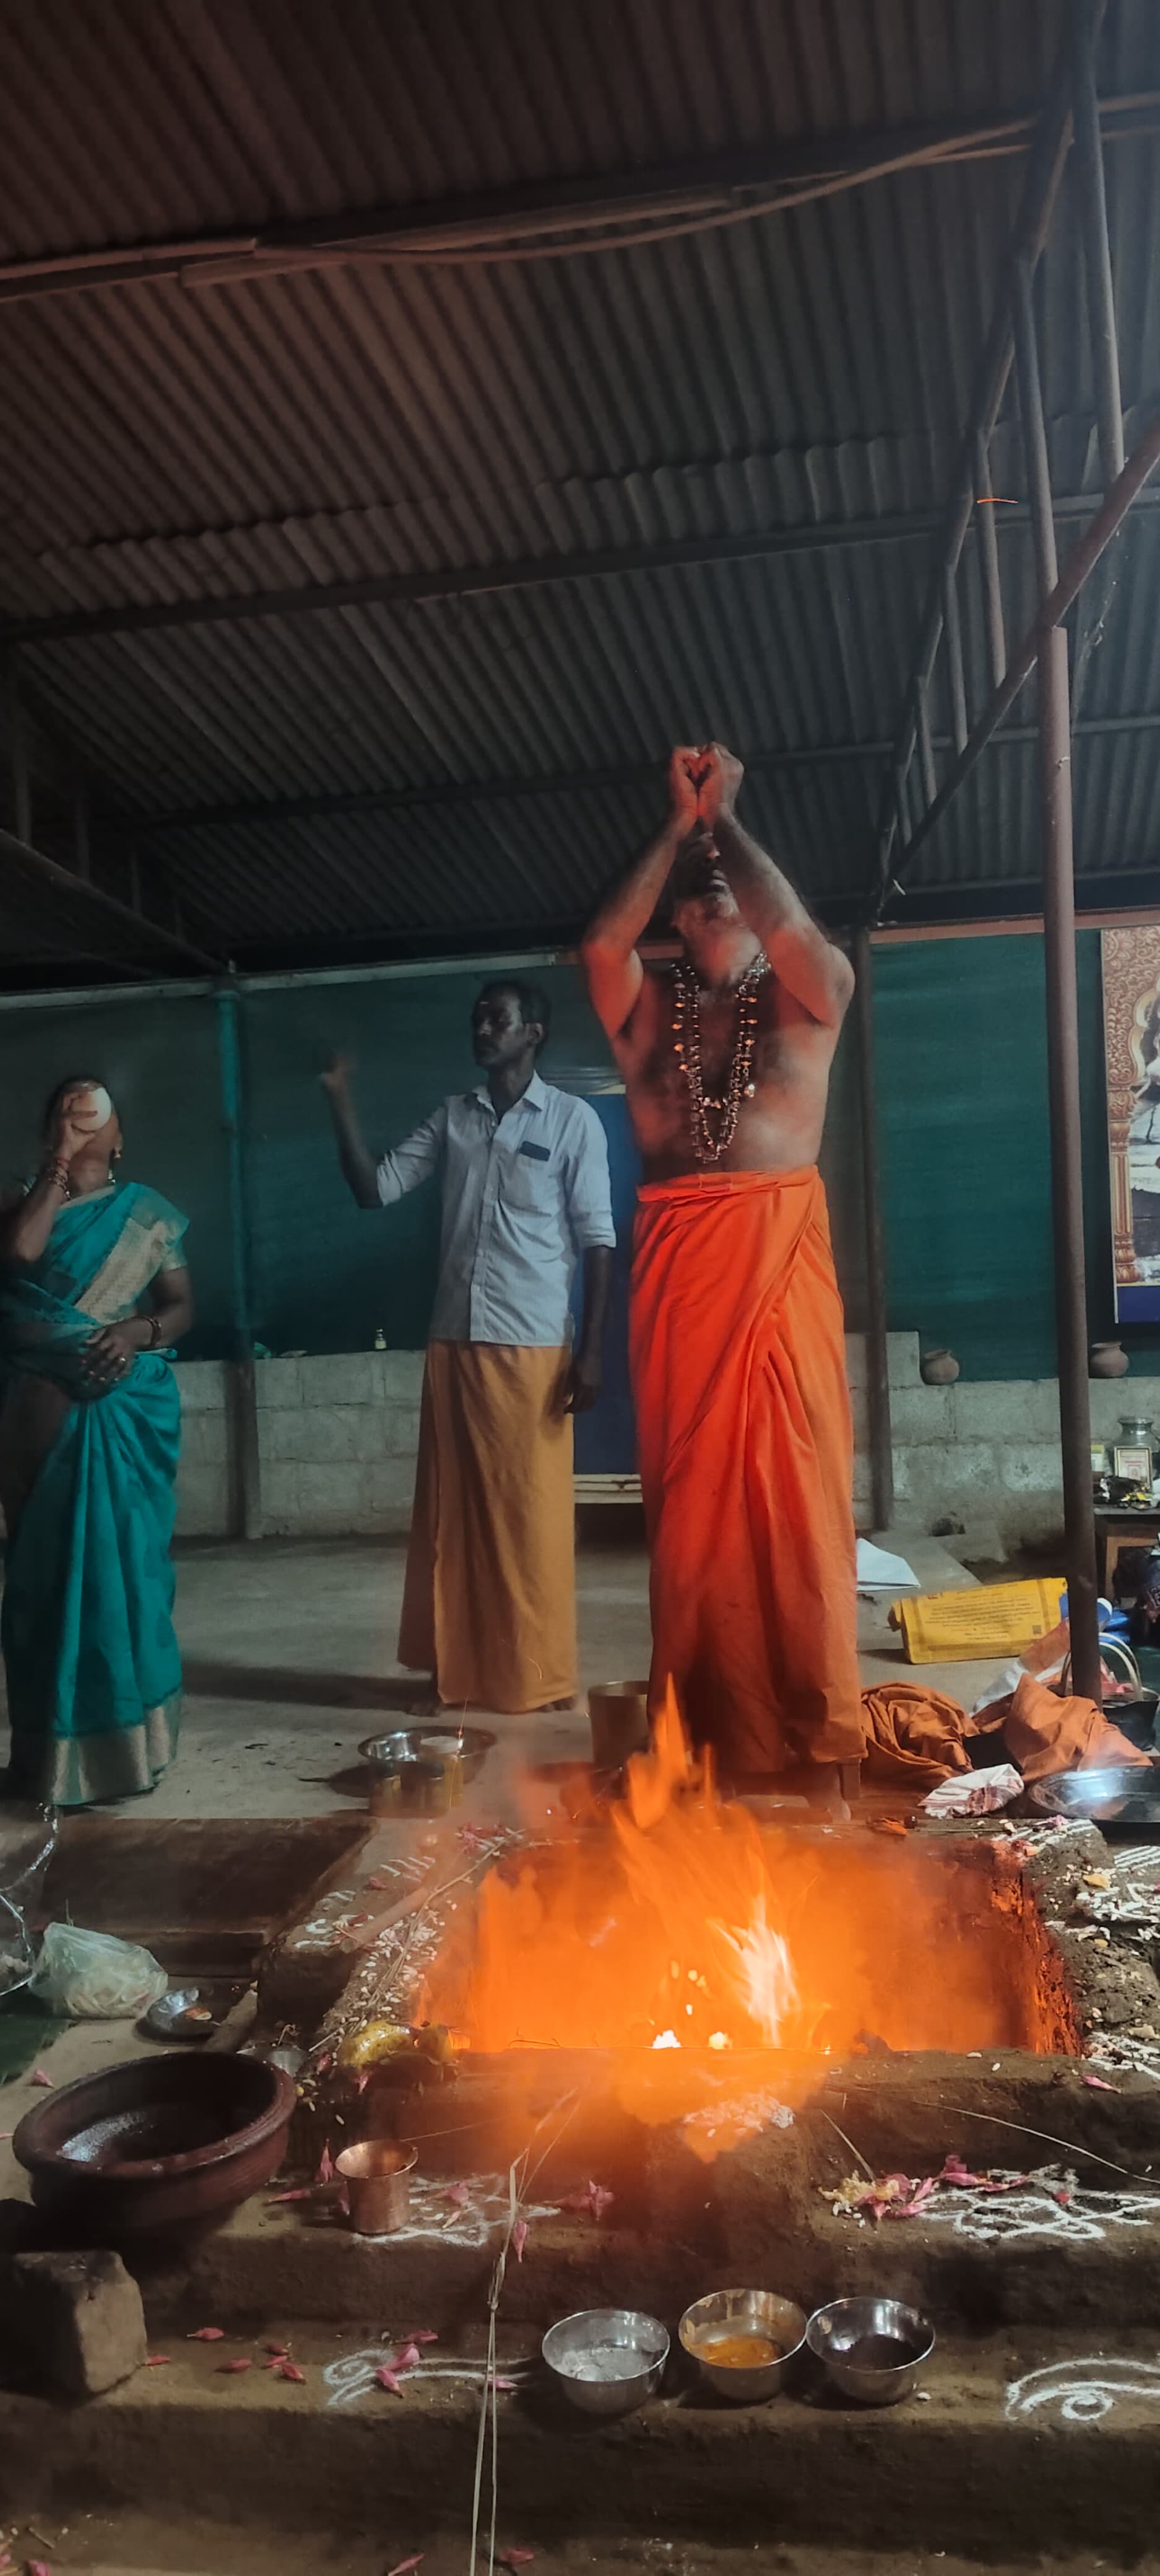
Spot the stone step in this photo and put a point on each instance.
(1025, 2442)
(979, 2259)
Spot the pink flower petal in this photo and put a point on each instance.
(207, 2334)
(519, 2238)
(38, 2076)
(458, 2193)
(385, 2378)
(305, 2191)
(290, 2370)
(157, 2361)
(380, 1884)
(325, 2171)
(280, 2351)
(243, 2363)
(405, 2565)
(408, 2357)
(516, 2557)
(1097, 2084)
(39, 2567)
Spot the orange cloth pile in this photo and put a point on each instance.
(917, 1739)
(743, 1427)
(914, 1737)
(1044, 1734)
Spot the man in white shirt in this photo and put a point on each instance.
(489, 1604)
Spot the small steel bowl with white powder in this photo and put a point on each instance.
(607, 2361)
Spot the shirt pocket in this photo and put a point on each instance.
(530, 1187)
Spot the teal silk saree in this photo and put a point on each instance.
(90, 1655)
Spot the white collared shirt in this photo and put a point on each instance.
(523, 1197)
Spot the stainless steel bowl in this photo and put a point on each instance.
(1127, 1794)
(607, 2361)
(743, 2312)
(417, 1753)
(184, 2013)
(871, 2349)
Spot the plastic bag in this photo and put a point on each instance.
(88, 1976)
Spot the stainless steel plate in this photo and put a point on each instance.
(1127, 1795)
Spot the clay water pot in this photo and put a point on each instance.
(938, 1368)
(1107, 1359)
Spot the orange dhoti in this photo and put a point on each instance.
(743, 1424)
(489, 1603)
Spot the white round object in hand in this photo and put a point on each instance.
(92, 1108)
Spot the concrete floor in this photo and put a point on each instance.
(289, 1652)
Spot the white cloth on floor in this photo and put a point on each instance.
(974, 1793)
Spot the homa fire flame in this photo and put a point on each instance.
(674, 1920)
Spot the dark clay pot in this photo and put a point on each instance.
(156, 2143)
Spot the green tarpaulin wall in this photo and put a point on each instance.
(962, 1096)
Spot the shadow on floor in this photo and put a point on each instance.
(312, 1690)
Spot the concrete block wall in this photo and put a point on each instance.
(203, 1478)
(338, 1436)
(337, 1441)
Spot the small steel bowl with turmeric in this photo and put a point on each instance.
(743, 2343)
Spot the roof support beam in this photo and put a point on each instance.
(108, 928)
(270, 812)
(764, 179)
(485, 581)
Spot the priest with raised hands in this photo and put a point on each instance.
(737, 1340)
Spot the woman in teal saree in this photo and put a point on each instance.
(93, 1290)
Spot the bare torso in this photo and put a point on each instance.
(779, 1130)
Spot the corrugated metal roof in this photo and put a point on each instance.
(166, 442)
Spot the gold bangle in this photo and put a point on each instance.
(56, 1170)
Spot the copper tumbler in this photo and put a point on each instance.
(378, 2189)
(618, 1712)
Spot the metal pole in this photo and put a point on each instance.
(877, 1346)
(1033, 223)
(245, 1460)
(1034, 431)
(1062, 1024)
(989, 558)
(1093, 206)
(21, 784)
(80, 807)
(953, 633)
(1066, 1159)
(1108, 520)
(926, 748)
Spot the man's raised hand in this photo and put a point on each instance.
(721, 778)
(336, 1075)
(685, 769)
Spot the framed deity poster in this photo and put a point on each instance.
(1131, 966)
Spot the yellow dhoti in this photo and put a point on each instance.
(489, 1604)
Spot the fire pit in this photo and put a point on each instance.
(676, 1927)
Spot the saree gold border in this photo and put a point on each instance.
(83, 1770)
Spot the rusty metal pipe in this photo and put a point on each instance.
(877, 1346)
(1093, 209)
(1066, 1159)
